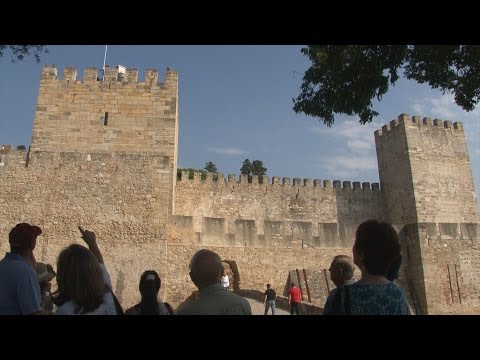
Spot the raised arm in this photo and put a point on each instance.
(91, 240)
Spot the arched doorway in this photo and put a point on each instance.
(231, 270)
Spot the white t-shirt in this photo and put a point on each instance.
(225, 281)
(105, 308)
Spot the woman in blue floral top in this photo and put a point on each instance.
(375, 250)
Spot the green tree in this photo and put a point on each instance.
(344, 79)
(19, 52)
(190, 173)
(246, 167)
(210, 166)
(257, 168)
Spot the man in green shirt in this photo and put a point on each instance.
(205, 272)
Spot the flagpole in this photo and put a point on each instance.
(104, 59)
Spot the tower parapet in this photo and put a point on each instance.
(112, 75)
(427, 182)
(49, 72)
(110, 114)
(285, 183)
(427, 122)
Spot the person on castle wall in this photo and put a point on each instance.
(19, 288)
(225, 280)
(294, 299)
(45, 274)
(341, 273)
(150, 284)
(270, 296)
(206, 272)
(375, 250)
(84, 286)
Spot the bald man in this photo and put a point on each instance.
(341, 273)
(205, 272)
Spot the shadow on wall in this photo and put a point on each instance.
(412, 266)
(286, 289)
(119, 285)
(294, 276)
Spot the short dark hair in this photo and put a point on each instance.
(205, 268)
(149, 278)
(378, 243)
(149, 287)
(268, 286)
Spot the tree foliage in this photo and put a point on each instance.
(344, 79)
(191, 171)
(253, 168)
(210, 166)
(19, 52)
(246, 167)
(257, 168)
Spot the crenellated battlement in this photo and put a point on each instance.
(12, 149)
(12, 155)
(112, 75)
(219, 179)
(425, 122)
(104, 153)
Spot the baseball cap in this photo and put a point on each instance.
(24, 236)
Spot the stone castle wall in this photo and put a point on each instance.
(437, 171)
(104, 155)
(255, 267)
(313, 213)
(119, 114)
(427, 182)
(119, 196)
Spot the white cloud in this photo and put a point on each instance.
(359, 145)
(359, 151)
(349, 129)
(357, 137)
(227, 151)
(345, 166)
(419, 108)
(340, 174)
(353, 162)
(443, 107)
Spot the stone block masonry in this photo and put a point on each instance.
(118, 114)
(104, 156)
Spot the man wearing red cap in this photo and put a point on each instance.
(19, 288)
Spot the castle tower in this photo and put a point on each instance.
(426, 177)
(118, 115)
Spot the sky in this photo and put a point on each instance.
(235, 103)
